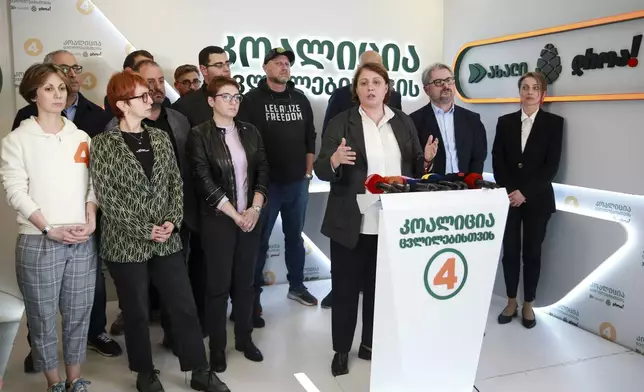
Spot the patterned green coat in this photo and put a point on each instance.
(132, 204)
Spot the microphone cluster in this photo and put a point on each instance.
(431, 182)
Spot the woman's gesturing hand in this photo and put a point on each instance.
(343, 155)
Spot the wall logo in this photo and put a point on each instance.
(31, 5)
(273, 251)
(610, 59)
(608, 331)
(549, 63)
(311, 273)
(33, 47)
(269, 278)
(316, 54)
(88, 80)
(84, 48)
(85, 7)
(619, 212)
(566, 314)
(571, 201)
(129, 48)
(308, 247)
(639, 345)
(445, 274)
(607, 295)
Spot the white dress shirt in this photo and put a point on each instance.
(383, 157)
(526, 127)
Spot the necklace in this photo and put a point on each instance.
(138, 139)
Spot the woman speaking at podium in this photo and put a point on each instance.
(525, 158)
(371, 138)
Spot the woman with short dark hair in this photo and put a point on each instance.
(229, 165)
(369, 139)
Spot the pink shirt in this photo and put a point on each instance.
(240, 164)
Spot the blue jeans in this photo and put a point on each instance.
(290, 200)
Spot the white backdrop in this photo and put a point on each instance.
(326, 37)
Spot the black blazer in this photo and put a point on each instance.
(469, 135)
(342, 217)
(194, 106)
(533, 170)
(89, 117)
(342, 100)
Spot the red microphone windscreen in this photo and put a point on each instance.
(471, 179)
(371, 181)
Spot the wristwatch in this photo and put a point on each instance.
(257, 209)
(46, 230)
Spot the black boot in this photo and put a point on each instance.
(250, 350)
(258, 321)
(207, 381)
(218, 361)
(149, 382)
(340, 364)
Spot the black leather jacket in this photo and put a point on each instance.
(212, 166)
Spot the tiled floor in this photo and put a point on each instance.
(554, 356)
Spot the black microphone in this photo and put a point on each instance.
(476, 181)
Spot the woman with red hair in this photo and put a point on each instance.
(139, 190)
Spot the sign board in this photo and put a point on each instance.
(438, 254)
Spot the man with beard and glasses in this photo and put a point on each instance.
(462, 140)
(90, 118)
(186, 79)
(213, 62)
(284, 118)
(177, 127)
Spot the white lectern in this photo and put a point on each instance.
(438, 254)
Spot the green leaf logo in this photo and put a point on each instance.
(477, 73)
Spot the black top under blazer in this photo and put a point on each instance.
(533, 170)
(342, 218)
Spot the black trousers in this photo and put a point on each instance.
(169, 275)
(197, 274)
(534, 231)
(230, 256)
(353, 269)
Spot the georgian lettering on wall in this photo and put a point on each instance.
(322, 65)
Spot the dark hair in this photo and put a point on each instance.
(205, 53)
(129, 59)
(218, 82)
(36, 76)
(184, 69)
(121, 87)
(137, 67)
(538, 76)
(374, 67)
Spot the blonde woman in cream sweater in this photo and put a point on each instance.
(45, 173)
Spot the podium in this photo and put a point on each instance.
(438, 254)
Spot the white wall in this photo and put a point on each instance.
(8, 229)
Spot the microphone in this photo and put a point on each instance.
(375, 184)
(476, 181)
(456, 178)
(445, 181)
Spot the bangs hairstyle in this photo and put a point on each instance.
(374, 67)
(218, 82)
(538, 76)
(121, 87)
(36, 76)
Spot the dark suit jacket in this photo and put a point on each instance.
(342, 217)
(342, 100)
(469, 135)
(533, 170)
(195, 106)
(89, 117)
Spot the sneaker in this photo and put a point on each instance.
(149, 382)
(302, 296)
(105, 346)
(326, 302)
(29, 364)
(207, 381)
(78, 385)
(117, 327)
(59, 387)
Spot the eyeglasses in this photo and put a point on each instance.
(188, 83)
(441, 82)
(145, 97)
(219, 65)
(228, 97)
(65, 68)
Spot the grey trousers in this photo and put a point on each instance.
(55, 277)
